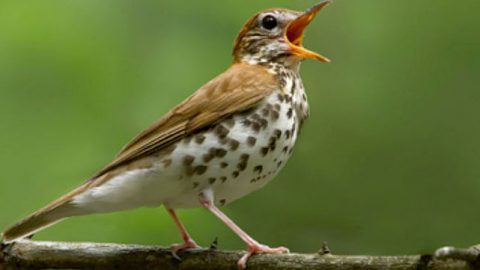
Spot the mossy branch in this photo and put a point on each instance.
(27, 254)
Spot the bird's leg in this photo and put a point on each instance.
(187, 239)
(253, 246)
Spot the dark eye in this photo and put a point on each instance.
(269, 22)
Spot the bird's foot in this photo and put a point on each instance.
(257, 249)
(175, 248)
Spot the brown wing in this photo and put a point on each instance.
(237, 89)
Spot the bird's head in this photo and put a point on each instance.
(275, 35)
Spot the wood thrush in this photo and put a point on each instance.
(228, 139)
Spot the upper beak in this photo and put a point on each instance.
(295, 32)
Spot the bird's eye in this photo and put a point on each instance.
(269, 22)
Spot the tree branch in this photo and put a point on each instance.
(470, 255)
(27, 254)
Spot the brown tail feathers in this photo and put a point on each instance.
(37, 221)
(45, 217)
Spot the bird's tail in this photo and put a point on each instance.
(37, 221)
(32, 224)
(43, 218)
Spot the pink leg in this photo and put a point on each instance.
(187, 240)
(253, 246)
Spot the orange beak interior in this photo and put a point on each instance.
(295, 32)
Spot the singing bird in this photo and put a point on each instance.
(228, 139)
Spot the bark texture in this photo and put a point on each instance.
(39, 255)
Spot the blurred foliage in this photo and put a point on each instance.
(388, 162)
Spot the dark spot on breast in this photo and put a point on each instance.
(287, 134)
(230, 122)
(188, 160)
(294, 85)
(222, 202)
(220, 152)
(221, 131)
(208, 156)
(280, 97)
(199, 138)
(264, 151)
(290, 113)
(256, 126)
(212, 180)
(187, 139)
(258, 169)
(223, 164)
(234, 144)
(265, 112)
(256, 116)
(244, 156)
(251, 140)
(263, 123)
(304, 97)
(277, 107)
(272, 143)
(223, 179)
(242, 165)
(246, 122)
(288, 99)
(285, 149)
(195, 184)
(200, 169)
(275, 115)
(277, 133)
(279, 163)
(235, 174)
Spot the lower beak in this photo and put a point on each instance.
(295, 32)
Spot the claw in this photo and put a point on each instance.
(179, 247)
(175, 255)
(257, 249)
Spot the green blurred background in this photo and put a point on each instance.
(388, 163)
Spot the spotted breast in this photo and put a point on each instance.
(234, 157)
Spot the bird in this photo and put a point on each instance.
(228, 139)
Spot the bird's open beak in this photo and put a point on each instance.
(295, 31)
